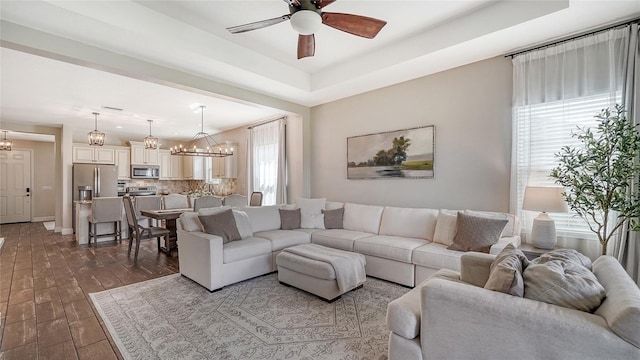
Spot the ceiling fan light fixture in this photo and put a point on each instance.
(306, 22)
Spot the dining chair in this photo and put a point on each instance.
(138, 232)
(105, 210)
(256, 199)
(206, 202)
(147, 203)
(175, 201)
(235, 200)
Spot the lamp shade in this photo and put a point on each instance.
(544, 199)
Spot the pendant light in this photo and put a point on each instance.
(5, 144)
(150, 142)
(96, 138)
(213, 148)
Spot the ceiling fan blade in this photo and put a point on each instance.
(258, 24)
(353, 24)
(306, 46)
(324, 3)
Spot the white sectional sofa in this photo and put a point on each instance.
(397, 244)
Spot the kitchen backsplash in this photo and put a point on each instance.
(222, 188)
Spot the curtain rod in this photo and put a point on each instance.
(268, 121)
(608, 27)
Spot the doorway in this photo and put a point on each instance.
(15, 186)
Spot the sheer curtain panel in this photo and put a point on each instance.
(557, 89)
(266, 167)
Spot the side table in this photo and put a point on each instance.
(532, 252)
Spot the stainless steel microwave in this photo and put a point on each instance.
(145, 171)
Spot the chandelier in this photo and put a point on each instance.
(5, 144)
(213, 149)
(150, 142)
(96, 138)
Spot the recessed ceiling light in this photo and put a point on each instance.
(118, 127)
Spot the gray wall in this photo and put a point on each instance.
(470, 107)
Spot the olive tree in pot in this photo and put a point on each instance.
(601, 177)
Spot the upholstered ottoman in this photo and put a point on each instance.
(325, 272)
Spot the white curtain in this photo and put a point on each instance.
(266, 167)
(556, 89)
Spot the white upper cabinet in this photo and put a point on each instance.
(142, 156)
(226, 167)
(123, 162)
(170, 166)
(193, 168)
(93, 155)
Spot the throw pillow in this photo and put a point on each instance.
(289, 219)
(563, 283)
(445, 227)
(566, 255)
(242, 223)
(222, 224)
(333, 218)
(315, 221)
(309, 208)
(474, 233)
(213, 210)
(508, 229)
(190, 221)
(505, 274)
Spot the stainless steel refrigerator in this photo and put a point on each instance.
(103, 180)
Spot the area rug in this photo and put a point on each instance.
(174, 318)
(49, 225)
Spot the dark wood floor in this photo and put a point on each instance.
(45, 279)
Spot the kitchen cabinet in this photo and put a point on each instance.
(93, 155)
(142, 156)
(170, 166)
(225, 167)
(193, 168)
(123, 162)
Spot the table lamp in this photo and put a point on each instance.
(545, 200)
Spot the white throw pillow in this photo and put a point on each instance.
(190, 221)
(446, 226)
(242, 223)
(309, 208)
(315, 221)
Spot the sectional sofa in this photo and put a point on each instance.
(396, 242)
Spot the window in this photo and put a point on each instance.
(266, 165)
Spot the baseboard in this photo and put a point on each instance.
(43, 219)
(67, 231)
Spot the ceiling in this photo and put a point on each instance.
(420, 38)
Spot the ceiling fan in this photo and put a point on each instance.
(306, 17)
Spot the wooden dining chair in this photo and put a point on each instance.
(138, 232)
(206, 202)
(235, 200)
(255, 199)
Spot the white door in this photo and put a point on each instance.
(15, 179)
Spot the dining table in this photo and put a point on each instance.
(169, 216)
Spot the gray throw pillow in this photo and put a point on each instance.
(290, 219)
(506, 270)
(563, 283)
(571, 255)
(333, 218)
(475, 233)
(222, 224)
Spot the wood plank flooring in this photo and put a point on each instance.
(45, 279)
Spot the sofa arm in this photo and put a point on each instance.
(462, 321)
(475, 267)
(201, 258)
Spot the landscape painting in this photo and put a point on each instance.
(394, 154)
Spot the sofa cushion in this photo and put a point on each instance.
(245, 249)
(338, 238)
(222, 224)
(242, 223)
(281, 239)
(333, 218)
(407, 222)
(289, 219)
(363, 218)
(476, 233)
(312, 221)
(388, 247)
(506, 270)
(563, 283)
(263, 218)
(436, 256)
(513, 224)
(621, 308)
(445, 229)
(190, 221)
(332, 205)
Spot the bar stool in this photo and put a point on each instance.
(105, 210)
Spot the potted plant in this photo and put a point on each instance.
(599, 176)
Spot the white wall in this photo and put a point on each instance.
(470, 107)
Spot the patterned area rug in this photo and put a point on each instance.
(175, 318)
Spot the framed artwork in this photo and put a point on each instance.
(394, 154)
